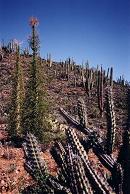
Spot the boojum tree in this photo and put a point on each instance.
(18, 94)
(35, 112)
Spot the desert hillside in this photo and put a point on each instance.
(64, 83)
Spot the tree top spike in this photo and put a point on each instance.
(33, 21)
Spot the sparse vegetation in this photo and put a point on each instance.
(88, 140)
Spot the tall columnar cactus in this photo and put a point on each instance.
(49, 60)
(58, 152)
(107, 73)
(83, 76)
(82, 112)
(55, 71)
(89, 81)
(111, 77)
(96, 180)
(124, 160)
(100, 91)
(35, 165)
(9, 47)
(66, 70)
(78, 180)
(111, 122)
(72, 168)
(75, 77)
(104, 77)
(124, 153)
(61, 70)
(87, 68)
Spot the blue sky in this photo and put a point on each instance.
(93, 30)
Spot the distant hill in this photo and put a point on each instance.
(64, 84)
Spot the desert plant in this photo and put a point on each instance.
(120, 168)
(111, 123)
(100, 91)
(82, 112)
(123, 157)
(17, 99)
(36, 166)
(111, 77)
(76, 175)
(36, 105)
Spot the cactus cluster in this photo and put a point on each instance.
(122, 81)
(37, 168)
(93, 80)
(76, 173)
(10, 47)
